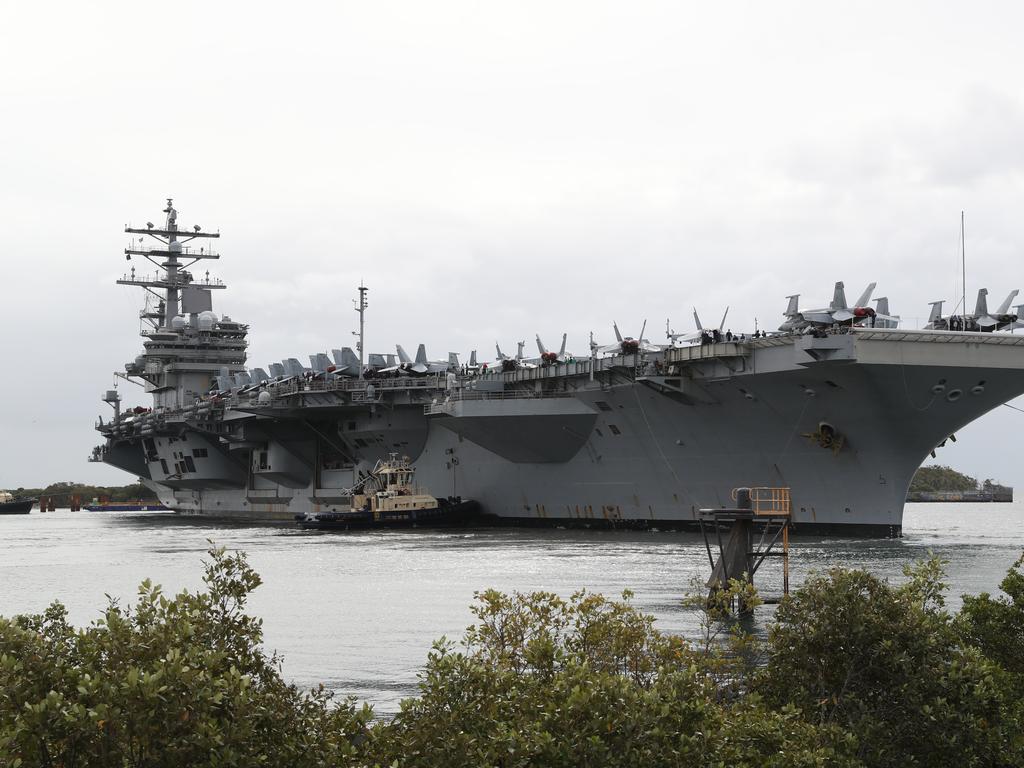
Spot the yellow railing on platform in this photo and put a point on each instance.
(769, 501)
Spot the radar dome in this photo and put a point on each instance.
(174, 247)
(263, 398)
(207, 320)
(177, 323)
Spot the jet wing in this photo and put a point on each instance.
(822, 318)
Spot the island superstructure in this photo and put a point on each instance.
(842, 411)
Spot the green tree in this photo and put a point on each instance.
(171, 682)
(854, 672)
(940, 478)
(541, 681)
(887, 665)
(996, 627)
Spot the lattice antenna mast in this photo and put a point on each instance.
(361, 304)
(171, 258)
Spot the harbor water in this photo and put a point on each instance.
(359, 611)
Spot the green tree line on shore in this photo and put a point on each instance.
(88, 492)
(853, 671)
(941, 478)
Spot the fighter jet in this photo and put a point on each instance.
(319, 364)
(700, 334)
(345, 362)
(838, 312)
(883, 317)
(981, 320)
(506, 363)
(421, 366)
(627, 345)
(381, 364)
(255, 379)
(548, 357)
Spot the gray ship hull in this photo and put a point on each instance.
(641, 441)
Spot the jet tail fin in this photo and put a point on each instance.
(497, 348)
(981, 308)
(519, 354)
(864, 298)
(472, 358)
(793, 308)
(882, 305)
(421, 354)
(696, 319)
(402, 356)
(561, 350)
(618, 336)
(348, 357)
(936, 314)
(453, 359)
(1005, 306)
(839, 297)
(540, 346)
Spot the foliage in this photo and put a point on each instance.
(64, 490)
(940, 478)
(854, 672)
(888, 666)
(171, 682)
(996, 626)
(545, 682)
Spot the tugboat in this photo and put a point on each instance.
(9, 505)
(387, 498)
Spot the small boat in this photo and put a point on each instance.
(387, 498)
(9, 505)
(125, 506)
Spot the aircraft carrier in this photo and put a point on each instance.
(841, 406)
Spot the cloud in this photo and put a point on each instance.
(491, 173)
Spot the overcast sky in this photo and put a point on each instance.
(493, 171)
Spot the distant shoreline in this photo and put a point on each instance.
(961, 496)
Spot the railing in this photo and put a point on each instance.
(511, 394)
(182, 281)
(472, 395)
(768, 501)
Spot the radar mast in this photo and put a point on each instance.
(186, 344)
(173, 276)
